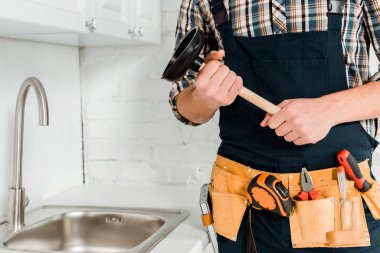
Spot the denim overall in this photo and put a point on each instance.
(279, 67)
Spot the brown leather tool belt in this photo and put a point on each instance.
(314, 223)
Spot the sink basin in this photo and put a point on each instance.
(87, 232)
(93, 229)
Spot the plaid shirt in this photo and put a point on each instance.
(252, 18)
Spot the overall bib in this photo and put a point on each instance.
(279, 67)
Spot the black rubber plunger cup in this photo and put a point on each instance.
(187, 57)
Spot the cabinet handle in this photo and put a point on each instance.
(91, 24)
(141, 31)
(136, 32)
(133, 31)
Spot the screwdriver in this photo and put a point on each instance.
(346, 206)
(348, 161)
(342, 183)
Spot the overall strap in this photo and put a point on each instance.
(335, 14)
(222, 21)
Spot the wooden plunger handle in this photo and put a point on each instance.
(260, 102)
(255, 99)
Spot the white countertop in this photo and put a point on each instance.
(188, 237)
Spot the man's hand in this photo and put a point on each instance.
(301, 121)
(215, 86)
(216, 83)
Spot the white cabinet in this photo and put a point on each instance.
(41, 16)
(74, 6)
(119, 22)
(146, 20)
(110, 17)
(82, 22)
(108, 22)
(112, 10)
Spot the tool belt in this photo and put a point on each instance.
(314, 223)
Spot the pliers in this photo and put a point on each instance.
(308, 192)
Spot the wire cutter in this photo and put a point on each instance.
(308, 192)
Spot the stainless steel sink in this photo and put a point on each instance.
(92, 229)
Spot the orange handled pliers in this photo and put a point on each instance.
(308, 192)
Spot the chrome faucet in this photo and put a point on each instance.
(17, 197)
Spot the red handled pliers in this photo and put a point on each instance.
(308, 192)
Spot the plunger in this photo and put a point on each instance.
(187, 57)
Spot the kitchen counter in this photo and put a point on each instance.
(188, 237)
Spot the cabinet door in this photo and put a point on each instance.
(75, 6)
(111, 17)
(42, 16)
(146, 17)
(116, 22)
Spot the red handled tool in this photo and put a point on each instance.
(308, 192)
(351, 166)
(266, 192)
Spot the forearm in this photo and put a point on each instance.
(359, 103)
(193, 107)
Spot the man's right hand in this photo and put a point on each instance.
(216, 84)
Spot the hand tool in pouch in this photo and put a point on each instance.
(204, 202)
(346, 206)
(308, 192)
(266, 192)
(342, 184)
(351, 166)
(187, 57)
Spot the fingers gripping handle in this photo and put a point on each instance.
(255, 99)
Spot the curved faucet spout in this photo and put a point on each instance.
(19, 123)
(17, 195)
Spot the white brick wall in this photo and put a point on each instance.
(131, 135)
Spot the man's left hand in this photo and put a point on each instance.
(301, 121)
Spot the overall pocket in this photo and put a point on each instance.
(287, 79)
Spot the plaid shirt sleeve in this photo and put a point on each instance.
(190, 16)
(372, 25)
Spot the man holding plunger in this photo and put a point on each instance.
(311, 58)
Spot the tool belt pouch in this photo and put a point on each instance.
(319, 223)
(229, 201)
(372, 199)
